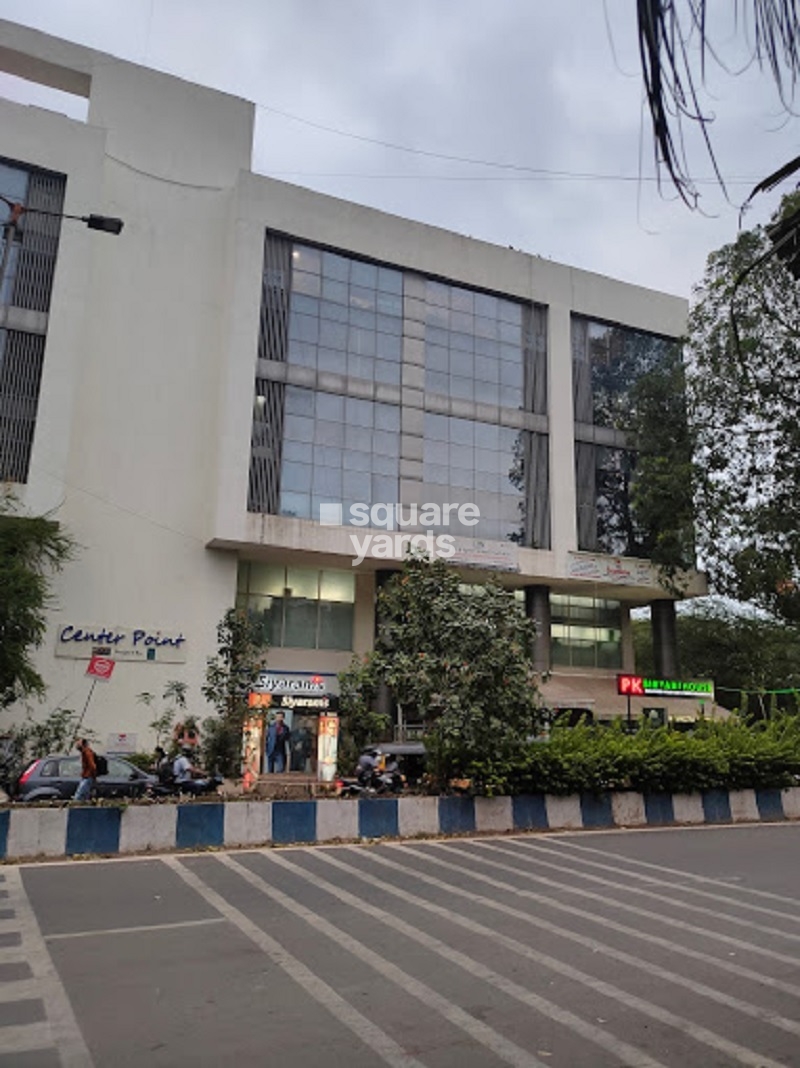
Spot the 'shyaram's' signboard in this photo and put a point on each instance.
(639, 686)
(121, 643)
(295, 682)
(295, 689)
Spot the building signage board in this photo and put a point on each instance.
(121, 743)
(296, 684)
(82, 642)
(619, 570)
(486, 555)
(639, 686)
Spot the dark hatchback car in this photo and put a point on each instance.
(56, 777)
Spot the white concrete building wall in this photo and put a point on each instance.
(136, 360)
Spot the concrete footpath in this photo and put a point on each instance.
(74, 830)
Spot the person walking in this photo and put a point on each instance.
(278, 735)
(88, 772)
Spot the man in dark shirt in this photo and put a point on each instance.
(88, 772)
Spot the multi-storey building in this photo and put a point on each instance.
(195, 397)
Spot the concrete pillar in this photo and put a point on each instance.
(628, 652)
(665, 638)
(537, 608)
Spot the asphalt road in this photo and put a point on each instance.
(652, 949)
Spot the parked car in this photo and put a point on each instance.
(56, 777)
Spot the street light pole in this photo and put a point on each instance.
(107, 224)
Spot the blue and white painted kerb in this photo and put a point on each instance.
(77, 831)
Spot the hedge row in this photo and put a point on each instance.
(730, 755)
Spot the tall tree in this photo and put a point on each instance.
(744, 359)
(458, 658)
(32, 549)
(754, 660)
(230, 676)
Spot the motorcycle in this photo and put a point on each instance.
(373, 783)
(191, 788)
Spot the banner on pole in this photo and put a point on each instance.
(100, 667)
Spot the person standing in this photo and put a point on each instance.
(278, 735)
(88, 772)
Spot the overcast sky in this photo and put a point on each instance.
(548, 85)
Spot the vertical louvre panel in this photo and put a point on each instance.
(537, 470)
(273, 334)
(534, 333)
(265, 448)
(582, 372)
(39, 248)
(586, 494)
(21, 360)
(538, 491)
(267, 435)
(536, 532)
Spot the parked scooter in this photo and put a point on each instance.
(372, 781)
(192, 788)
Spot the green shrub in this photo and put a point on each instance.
(591, 759)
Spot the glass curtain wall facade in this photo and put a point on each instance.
(297, 607)
(491, 352)
(327, 421)
(609, 361)
(28, 251)
(585, 632)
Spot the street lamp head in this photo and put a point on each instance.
(103, 222)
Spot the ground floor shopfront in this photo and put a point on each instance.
(316, 612)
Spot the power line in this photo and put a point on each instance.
(533, 177)
(469, 160)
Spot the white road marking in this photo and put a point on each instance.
(63, 1031)
(537, 850)
(552, 902)
(627, 1053)
(133, 930)
(634, 910)
(18, 990)
(370, 1034)
(696, 1031)
(767, 894)
(683, 981)
(25, 1038)
(488, 1037)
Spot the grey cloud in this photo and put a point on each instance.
(536, 84)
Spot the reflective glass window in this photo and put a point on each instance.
(299, 607)
(390, 281)
(479, 463)
(477, 332)
(305, 258)
(334, 266)
(345, 305)
(345, 435)
(580, 632)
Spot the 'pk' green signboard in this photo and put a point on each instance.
(639, 686)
